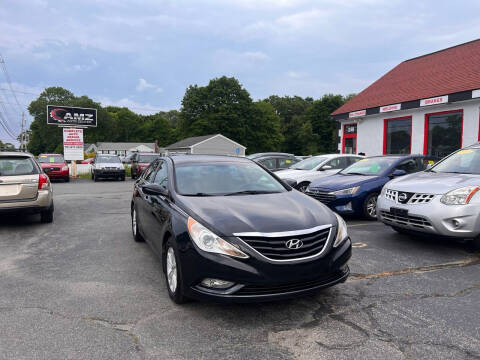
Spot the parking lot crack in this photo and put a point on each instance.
(122, 327)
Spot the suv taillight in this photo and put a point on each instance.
(42, 181)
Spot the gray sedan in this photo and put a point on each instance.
(443, 200)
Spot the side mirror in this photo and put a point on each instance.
(398, 172)
(290, 182)
(154, 189)
(325, 167)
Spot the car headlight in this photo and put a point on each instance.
(342, 234)
(65, 168)
(349, 191)
(460, 196)
(210, 242)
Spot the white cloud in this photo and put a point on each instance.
(145, 85)
(85, 67)
(140, 108)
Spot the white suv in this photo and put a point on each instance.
(305, 171)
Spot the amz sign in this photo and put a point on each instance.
(71, 116)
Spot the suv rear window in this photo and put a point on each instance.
(15, 165)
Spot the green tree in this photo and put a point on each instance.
(263, 130)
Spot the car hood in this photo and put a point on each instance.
(49, 165)
(291, 174)
(433, 183)
(338, 182)
(286, 211)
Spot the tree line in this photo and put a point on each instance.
(289, 124)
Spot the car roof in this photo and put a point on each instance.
(14, 153)
(257, 155)
(192, 159)
(147, 153)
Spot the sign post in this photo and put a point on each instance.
(73, 120)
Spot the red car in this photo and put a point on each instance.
(87, 161)
(140, 161)
(54, 166)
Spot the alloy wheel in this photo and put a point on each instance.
(171, 270)
(372, 207)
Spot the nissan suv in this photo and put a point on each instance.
(24, 187)
(107, 167)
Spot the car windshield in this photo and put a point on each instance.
(309, 164)
(224, 179)
(108, 159)
(466, 161)
(14, 166)
(369, 166)
(51, 159)
(146, 158)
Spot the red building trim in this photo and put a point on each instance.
(348, 136)
(385, 124)
(425, 138)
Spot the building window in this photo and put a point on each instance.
(443, 133)
(397, 136)
(349, 139)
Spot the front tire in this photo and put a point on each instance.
(136, 233)
(370, 207)
(303, 186)
(173, 276)
(67, 179)
(476, 244)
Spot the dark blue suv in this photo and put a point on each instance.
(355, 189)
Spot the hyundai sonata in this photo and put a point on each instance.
(226, 229)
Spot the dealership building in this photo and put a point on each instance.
(426, 105)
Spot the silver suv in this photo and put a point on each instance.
(24, 187)
(443, 200)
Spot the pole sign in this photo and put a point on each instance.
(73, 144)
(71, 116)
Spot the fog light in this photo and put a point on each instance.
(216, 283)
(457, 223)
(347, 207)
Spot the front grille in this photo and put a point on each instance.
(411, 198)
(275, 248)
(285, 288)
(51, 169)
(408, 220)
(321, 196)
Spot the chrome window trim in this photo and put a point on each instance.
(284, 233)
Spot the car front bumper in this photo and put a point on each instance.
(460, 221)
(258, 280)
(58, 174)
(109, 173)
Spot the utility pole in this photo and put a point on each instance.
(22, 134)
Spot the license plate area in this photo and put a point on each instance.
(398, 212)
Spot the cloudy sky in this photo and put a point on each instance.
(144, 53)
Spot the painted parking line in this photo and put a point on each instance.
(359, 245)
(418, 270)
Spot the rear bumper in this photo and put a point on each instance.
(43, 201)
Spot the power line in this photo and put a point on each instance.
(4, 68)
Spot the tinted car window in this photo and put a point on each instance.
(353, 160)
(409, 166)
(146, 158)
(466, 161)
(369, 166)
(269, 163)
(148, 174)
(284, 163)
(310, 163)
(223, 178)
(161, 177)
(13, 166)
(338, 163)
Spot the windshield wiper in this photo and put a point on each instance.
(354, 173)
(251, 192)
(199, 194)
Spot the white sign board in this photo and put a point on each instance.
(73, 144)
(475, 93)
(389, 108)
(357, 113)
(434, 101)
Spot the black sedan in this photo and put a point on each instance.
(226, 229)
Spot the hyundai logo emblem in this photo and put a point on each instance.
(294, 244)
(402, 197)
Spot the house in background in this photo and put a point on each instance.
(207, 145)
(123, 148)
(89, 148)
(428, 105)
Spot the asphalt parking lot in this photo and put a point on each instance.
(81, 288)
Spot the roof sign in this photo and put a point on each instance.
(434, 100)
(475, 93)
(389, 108)
(357, 113)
